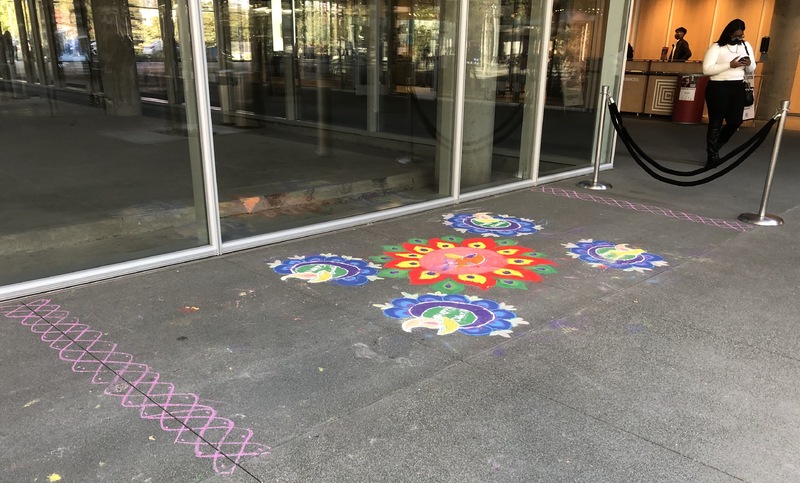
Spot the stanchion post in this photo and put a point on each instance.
(762, 218)
(594, 184)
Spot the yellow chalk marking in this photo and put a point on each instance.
(31, 403)
(54, 477)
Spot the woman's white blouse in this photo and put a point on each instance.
(717, 62)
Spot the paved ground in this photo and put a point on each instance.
(222, 371)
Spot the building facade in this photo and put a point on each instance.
(143, 133)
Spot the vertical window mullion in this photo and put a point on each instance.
(204, 122)
(460, 92)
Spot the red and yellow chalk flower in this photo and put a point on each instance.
(450, 264)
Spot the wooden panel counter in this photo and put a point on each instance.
(649, 85)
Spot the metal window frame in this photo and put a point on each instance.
(217, 247)
(205, 123)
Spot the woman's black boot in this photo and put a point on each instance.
(712, 146)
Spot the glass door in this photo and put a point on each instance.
(502, 94)
(505, 137)
(583, 55)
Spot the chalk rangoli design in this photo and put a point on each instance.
(138, 386)
(486, 224)
(327, 267)
(619, 256)
(453, 313)
(449, 264)
(656, 210)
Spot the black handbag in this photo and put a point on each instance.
(749, 97)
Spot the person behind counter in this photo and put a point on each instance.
(726, 62)
(680, 49)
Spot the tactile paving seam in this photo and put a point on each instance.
(627, 205)
(138, 386)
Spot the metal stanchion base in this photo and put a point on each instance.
(591, 185)
(756, 219)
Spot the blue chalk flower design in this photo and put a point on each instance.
(448, 313)
(327, 267)
(486, 224)
(618, 256)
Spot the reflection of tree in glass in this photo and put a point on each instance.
(145, 28)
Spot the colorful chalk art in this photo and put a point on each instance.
(450, 264)
(327, 267)
(617, 256)
(486, 224)
(448, 313)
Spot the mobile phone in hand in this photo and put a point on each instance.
(745, 58)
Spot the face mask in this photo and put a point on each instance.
(735, 41)
(677, 36)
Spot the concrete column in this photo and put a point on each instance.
(117, 62)
(36, 44)
(49, 21)
(445, 84)
(192, 116)
(23, 41)
(532, 118)
(445, 103)
(480, 93)
(82, 24)
(170, 63)
(780, 63)
(5, 69)
(225, 78)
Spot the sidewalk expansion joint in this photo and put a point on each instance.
(196, 424)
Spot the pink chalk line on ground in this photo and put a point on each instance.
(138, 386)
(627, 205)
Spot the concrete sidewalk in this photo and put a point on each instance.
(225, 370)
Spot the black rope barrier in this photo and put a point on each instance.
(616, 115)
(642, 159)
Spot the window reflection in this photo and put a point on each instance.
(575, 59)
(100, 135)
(340, 106)
(504, 42)
(503, 56)
(321, 110)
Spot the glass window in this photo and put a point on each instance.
(575, 62)
(99, 136)
(504, 41)
(328, 109)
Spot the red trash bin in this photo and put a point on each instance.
(690, 99)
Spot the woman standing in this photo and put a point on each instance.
(726, 62)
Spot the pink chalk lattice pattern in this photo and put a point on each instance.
(627, 205)
(138, 386)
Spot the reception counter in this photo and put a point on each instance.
(649, 85)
